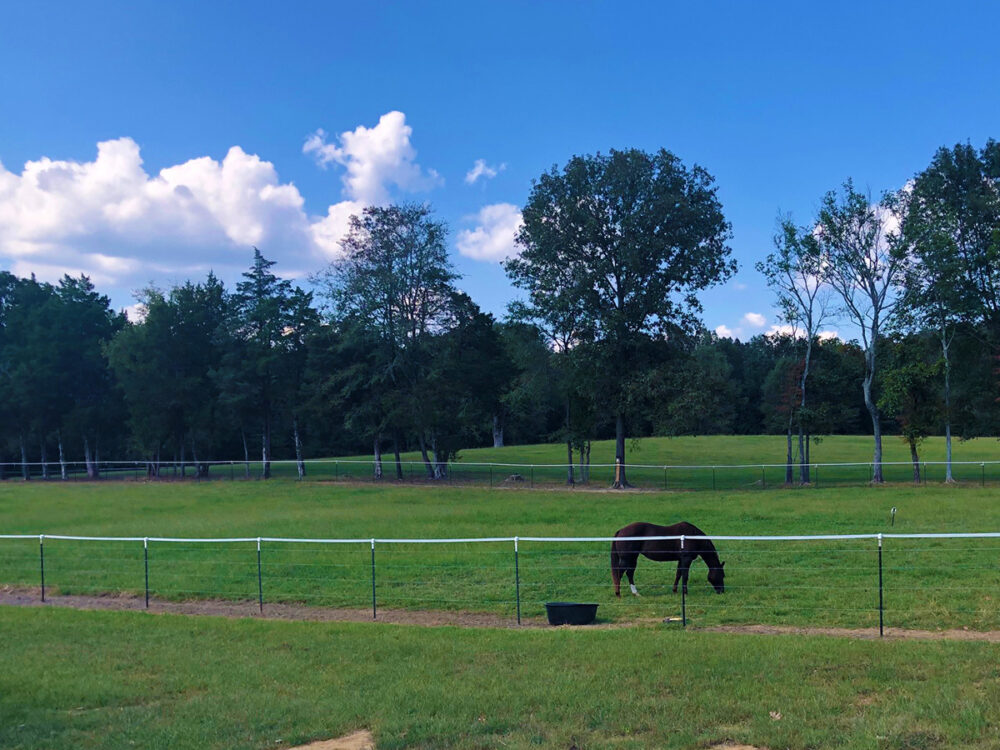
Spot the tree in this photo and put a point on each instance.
(794, 273)
(263, 307)
(862, 264)
(396, 283)
(951, 236)
(621, 243)
(910, 394)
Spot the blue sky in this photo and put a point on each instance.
(780, 102)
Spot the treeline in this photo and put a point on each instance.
(384, 353)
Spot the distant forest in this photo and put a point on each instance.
(384, 353)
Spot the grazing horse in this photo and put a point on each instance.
(625, 553)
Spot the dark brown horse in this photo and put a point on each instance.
(625, 553)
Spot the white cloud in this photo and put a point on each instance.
(724, 332)
(375, 158)
(755, 320)
(118, 223)
(739, 286)
(786, 330)
(112, 220)
(135, 313)
(484, 170)
(493, 237)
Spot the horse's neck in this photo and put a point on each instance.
(710, 556)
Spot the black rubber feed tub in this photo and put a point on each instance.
(570, 613)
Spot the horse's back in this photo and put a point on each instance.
(644, 528)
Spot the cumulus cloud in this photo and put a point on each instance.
(113, 220)
(492, 239)
(724, 332)
(755, 320)
(375, 159)
(482, 170)
(784, 329)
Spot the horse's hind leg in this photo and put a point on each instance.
(630, 572)
(616, 572)
(678, 576)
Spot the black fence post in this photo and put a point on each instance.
(816, 475)
(664, 477)
(763, 478)
(983, 480)
(260, 580)
(145, 566)
(517, 583)
(881, 607)
(491, 476)
(41, 561)
(532, 476)
(374, 610)
(713, 479)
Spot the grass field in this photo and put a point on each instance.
(124, 680)
(928, 583)
(710, 462)
(99, 679)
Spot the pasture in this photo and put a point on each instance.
(124, 679)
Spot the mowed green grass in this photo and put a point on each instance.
(692, 463)
(123, 680)
(928, 583)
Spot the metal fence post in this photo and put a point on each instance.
(260, 580)
(491, 476)
(983, 481)
(713, 479)
(664, 477)
(532, 476)
(145, 566)
(816, 475)
(881, 607)
(374, 611)
(763, 478)
(684, 588)
(41, 561)
(517, 583)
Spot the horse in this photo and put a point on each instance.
(625, 553)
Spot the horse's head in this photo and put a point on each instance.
(717, 577)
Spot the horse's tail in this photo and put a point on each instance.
(616, 569)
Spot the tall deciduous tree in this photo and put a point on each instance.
(623, 242)
(794, 273)
(951, 233)
(862, 264)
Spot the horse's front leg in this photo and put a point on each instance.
(683, 569)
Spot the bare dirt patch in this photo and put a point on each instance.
(360, 740)
(27, 596)
(727, 746)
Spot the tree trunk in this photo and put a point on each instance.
(62, 457)
(916, 461)
(265, 451)
(947, 408)
(423, 454)
(395, 451)
(873, 412)
(45, 460)
(25, 469)
(440, 461)
(299, 463)
(569, 462)
(803, 463)
(497, 431)
(88, 459)
(378, 456)
(621, 482)
(246, 452)
(789, 476)
(808, 457)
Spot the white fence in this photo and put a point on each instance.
(948, 578)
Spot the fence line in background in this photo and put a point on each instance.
(517, 541)
(504, 474)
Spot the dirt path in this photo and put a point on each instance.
(30, 597)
